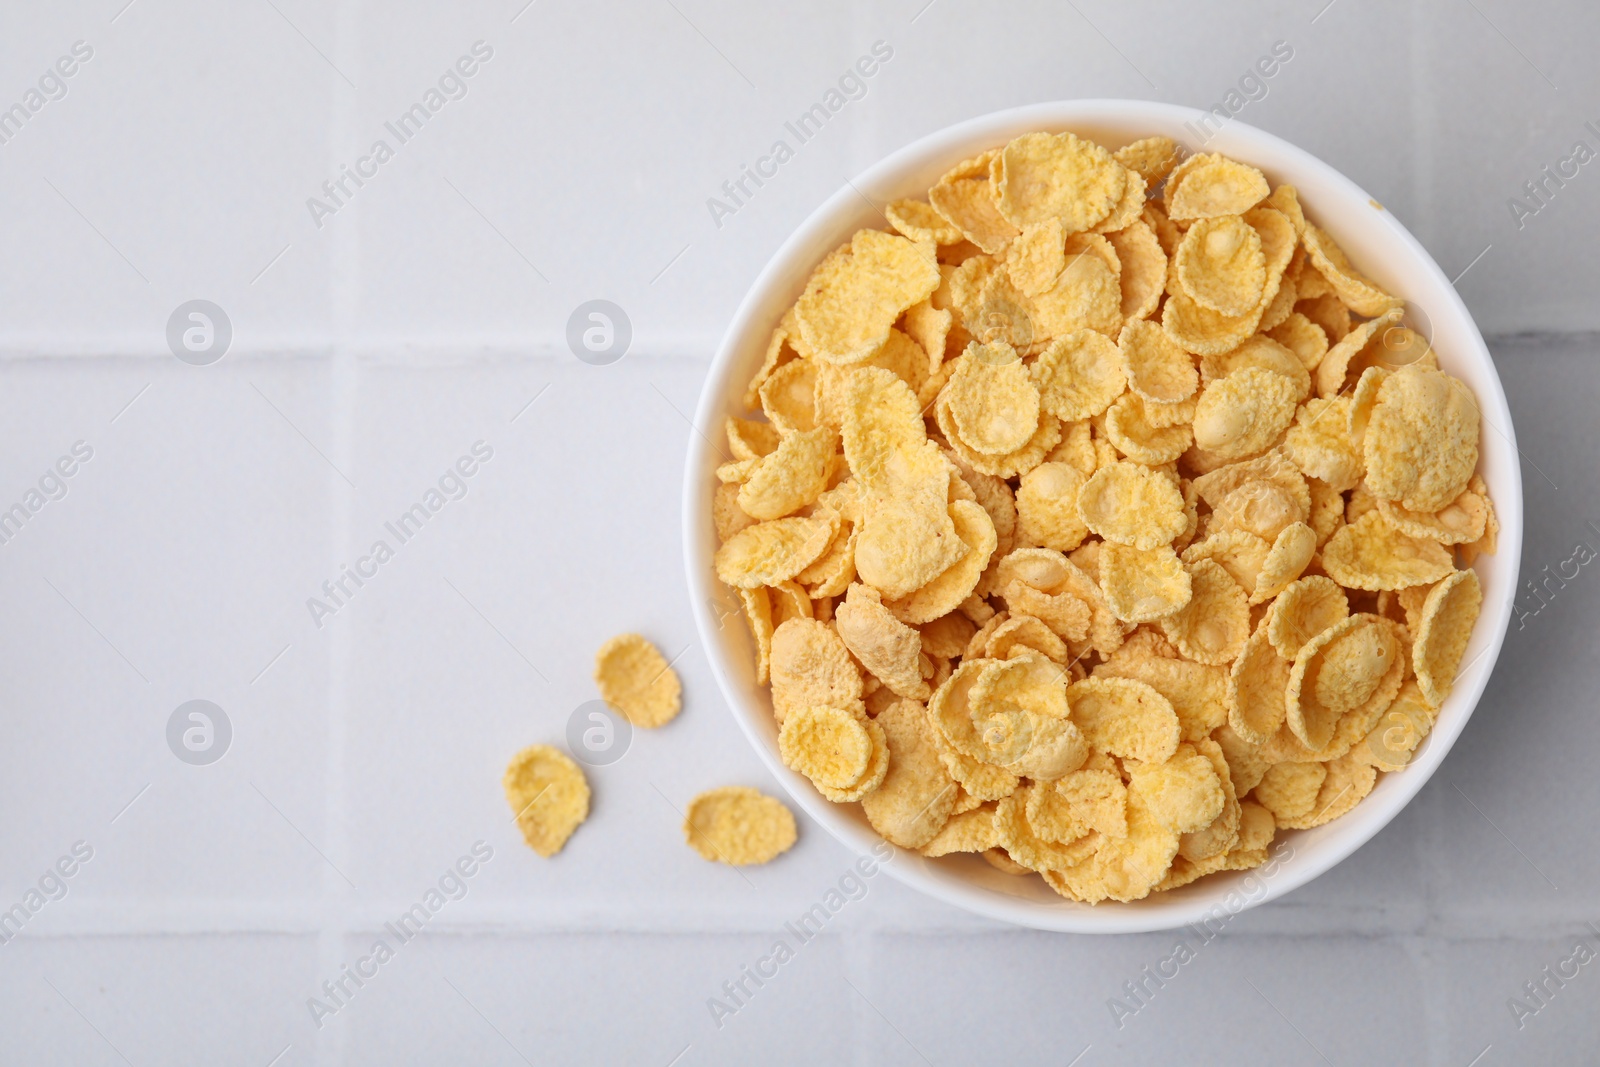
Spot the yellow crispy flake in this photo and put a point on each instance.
(921, 222)
(1144, 268)
(1047, 507)
(1258, 351)
(1241, 553)
(1079, 375)
(1123, 869)
(1334, 368)
(810, 668)
(758, 614)
(1221, 266)
(1017, 634)
(1447, 619)
(1213, 626)
(548, 796)
(1346, 784)
(1183, 792)
(1302, 611)
(1152, 434)
(794, 475)
(1390, 745)
(1371, 554)
(1155, 367)
(1337, 671)
(1035, 258)
(1009, 465)
(750, 438)
(1461, 521)
(738, 825)
(1302, 337)
(1024, 845)
(1319, 443)
(789, 396)
(1256, 686)
(856, 294)
(1243, 413)
(1289, 790)
(1152, 158)
(1143, 585)
(726, 514)
(975, 533)
(783, 347)
(1358, 293)
(1290, 555)
(917, 795)
(1125, 718)
(966, 198)
(1057, 175)
(1132, 505)
(1210, 185)
(1421, 442)
(885, 646)
(1203, 331)
(636, 679)
(830, 746)
(969, 831)
(992, 400)
(772, 552)
(1087, 294)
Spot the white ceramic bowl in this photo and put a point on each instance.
(1378, 245)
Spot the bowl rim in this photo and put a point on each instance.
(1334, 841)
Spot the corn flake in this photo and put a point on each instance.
(548, 796)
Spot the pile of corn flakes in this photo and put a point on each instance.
(1102, 519)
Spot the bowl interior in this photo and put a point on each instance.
(1376, 243)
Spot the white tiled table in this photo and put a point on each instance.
(423, 317)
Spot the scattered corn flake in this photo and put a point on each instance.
(1087, 294)
(1258, 351)
(975, 533)
(549, 797)
(921, 222)
(1371, 554)
(1047, 507)
(967, 831)
(1035, 259)
(1213, 626)
(811, 667)
(1124, 717)
(1152, 158)
(1244, 413)
(791, 477)
(1152, 434)
(857, 293)
(1447, 620)
(1143, 585)
(830, 746)
(1256, 687)
(1132, 505)
(1357, 292)
(1303, 610)
(1155, 367)
(738, 825)
(1220, 265)
(1421, 440)
(636, 679)
(1057, 175)
(1209, 185)
(1079, 375)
